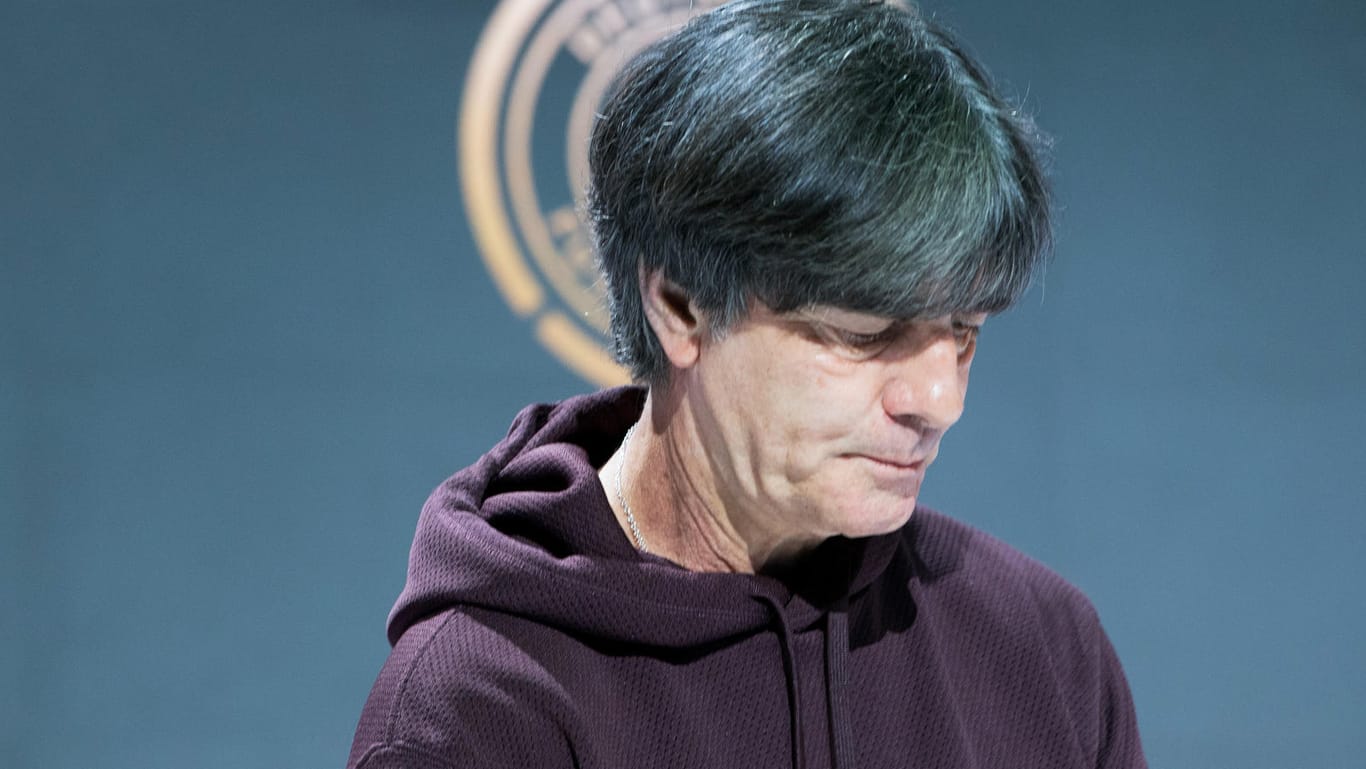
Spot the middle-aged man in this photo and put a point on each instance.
(804, 211)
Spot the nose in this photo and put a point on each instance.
(927, 386)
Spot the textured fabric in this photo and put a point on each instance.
(532, 634)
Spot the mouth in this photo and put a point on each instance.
(899, 475)
(901, 464)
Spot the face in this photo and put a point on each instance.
(823, 421)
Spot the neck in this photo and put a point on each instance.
(677, 502)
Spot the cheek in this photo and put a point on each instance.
(814, 421)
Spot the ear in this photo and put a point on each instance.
(675, 319)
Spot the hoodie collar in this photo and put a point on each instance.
(528, 530)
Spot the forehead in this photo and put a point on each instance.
(845, 316)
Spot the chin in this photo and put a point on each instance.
(884, 518)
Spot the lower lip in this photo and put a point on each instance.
(905, 478)
(896, 466)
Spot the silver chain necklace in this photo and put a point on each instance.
(630, 517)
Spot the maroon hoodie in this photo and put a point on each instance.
(531, 633)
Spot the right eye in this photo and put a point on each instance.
(865, 341)
(856, 336)
(858, 345)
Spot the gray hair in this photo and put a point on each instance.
(804, 152)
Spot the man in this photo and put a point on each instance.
(804, 211)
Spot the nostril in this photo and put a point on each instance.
(913, 422)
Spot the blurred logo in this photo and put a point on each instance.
(538, 75)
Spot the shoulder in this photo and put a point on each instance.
(944, 548)
(1011, 624)
(456, 691)
(989, 589)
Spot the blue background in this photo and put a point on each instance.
(244, 329)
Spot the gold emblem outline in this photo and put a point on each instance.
(510, 62)
(495, 56)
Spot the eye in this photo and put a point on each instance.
(855, 336)
(854, 345)
(865, 342)
(965, 333)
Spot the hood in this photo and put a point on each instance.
(528, 530)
